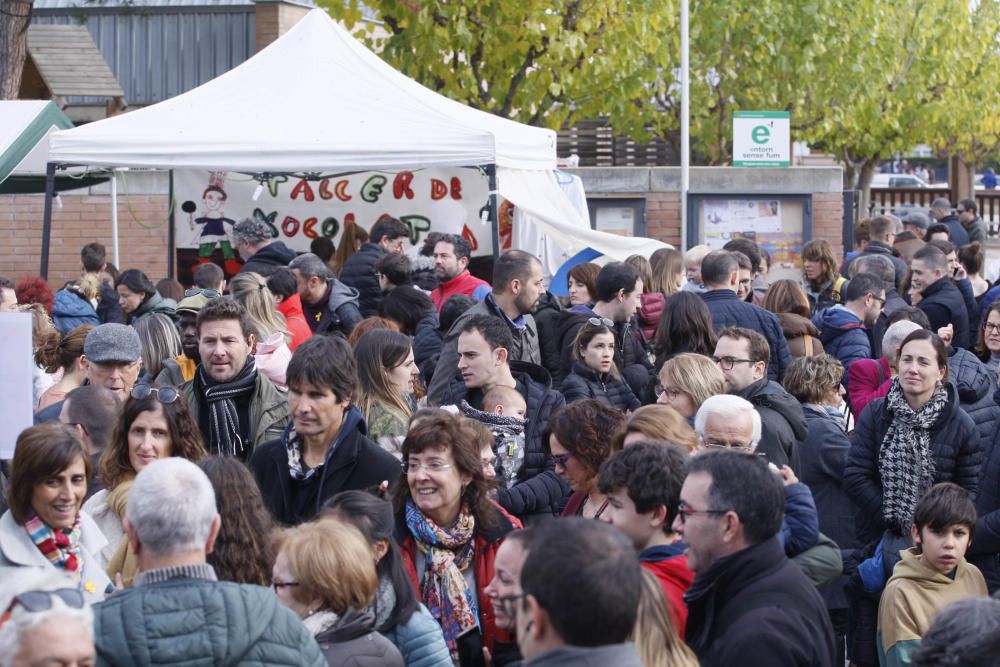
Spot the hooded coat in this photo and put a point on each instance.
(783, 424)
(843, 335)
(539, 491)
(337, 312)
(944, 304)
(975, 384)
(70, 309)
(272, 256)
(547, 316)
(630, 357)
(913, 597)
(155, 303)
(353, 642)
(801, 334)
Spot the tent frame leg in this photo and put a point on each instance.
(491, 175)
(50, 188)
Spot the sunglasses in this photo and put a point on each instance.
(210, 293)
(163, 394)
(38, 601)
(601, 321)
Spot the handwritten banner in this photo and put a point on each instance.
(298, 210)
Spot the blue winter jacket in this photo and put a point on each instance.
(729, 311)
(420, 641)
(843, 335)
(800, 528)
(984, 551)
(70, 310)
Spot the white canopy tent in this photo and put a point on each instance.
(317, 99)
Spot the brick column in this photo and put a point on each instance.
(276, 17)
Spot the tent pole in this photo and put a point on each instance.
(114, 217)
(50, 188)
(491, 174)
(171, 239)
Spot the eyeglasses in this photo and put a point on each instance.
(684, 511)
(37, 601)
(413, 467)
(601, 321)
(881, 300)
(210, 293)
(165, 395)
(990, 326)
(735, 446)
(276, 585)
(560, 459)
(727, 363)
(672, 392)
(507, 601)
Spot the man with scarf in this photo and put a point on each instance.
(324, 450)
(236, 407)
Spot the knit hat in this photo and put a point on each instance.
(112, 343)
(192, 304)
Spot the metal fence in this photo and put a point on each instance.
(899, 201)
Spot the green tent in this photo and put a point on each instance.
(24, 147)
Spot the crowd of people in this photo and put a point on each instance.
(365, 455)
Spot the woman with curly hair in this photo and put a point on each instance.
(578, 438)
(155, 423)
(822, 283)
(449, 532)
(244, 548)
(62, 352)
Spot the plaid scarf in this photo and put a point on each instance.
(61, 547)
(447, 552)
(905, 460)
(223, 418)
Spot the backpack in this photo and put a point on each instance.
(838, 284)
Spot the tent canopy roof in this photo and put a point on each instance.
(23, 126)
(314, 100)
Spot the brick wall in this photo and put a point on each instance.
(663, 217)
(828, 219)
(274, 19)
(142, 233)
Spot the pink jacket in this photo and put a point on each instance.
(650, 308)
(867, 379)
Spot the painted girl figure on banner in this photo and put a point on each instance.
(215, 225)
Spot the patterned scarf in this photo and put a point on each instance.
(62, 547)
(223, 419)
(447, 552)
(905, 461)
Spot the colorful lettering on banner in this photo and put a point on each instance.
(299, 208)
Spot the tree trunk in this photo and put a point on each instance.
(970, 170)
(14, 18)
(865, 183)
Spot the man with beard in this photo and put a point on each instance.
(517, 287)
(451, 261)
(181, 368)
(237, 408)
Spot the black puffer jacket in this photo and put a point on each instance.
(944, 304)
(630, 357)
(984, 551)
(546, 316)
(539, 491)
(783, 424)
(975, 386)
(954, 443)
(272, 256)
(359, 272)
(584, 382)
(428, 338)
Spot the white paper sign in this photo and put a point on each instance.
(16, 385)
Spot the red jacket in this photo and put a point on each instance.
(482, 564)
(464, 283)
(670, 566)
(295, 320)
(650, 308)
(865, 383)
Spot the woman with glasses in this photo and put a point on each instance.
(686, 381)
(594, 374)
(988, 347)
(138, 296)
(399, 614)
(449, 532)
(387, 378)
(324, 573)
(578, 438)
(44, 529)
(155, 423)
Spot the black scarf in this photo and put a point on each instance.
(221, 397)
